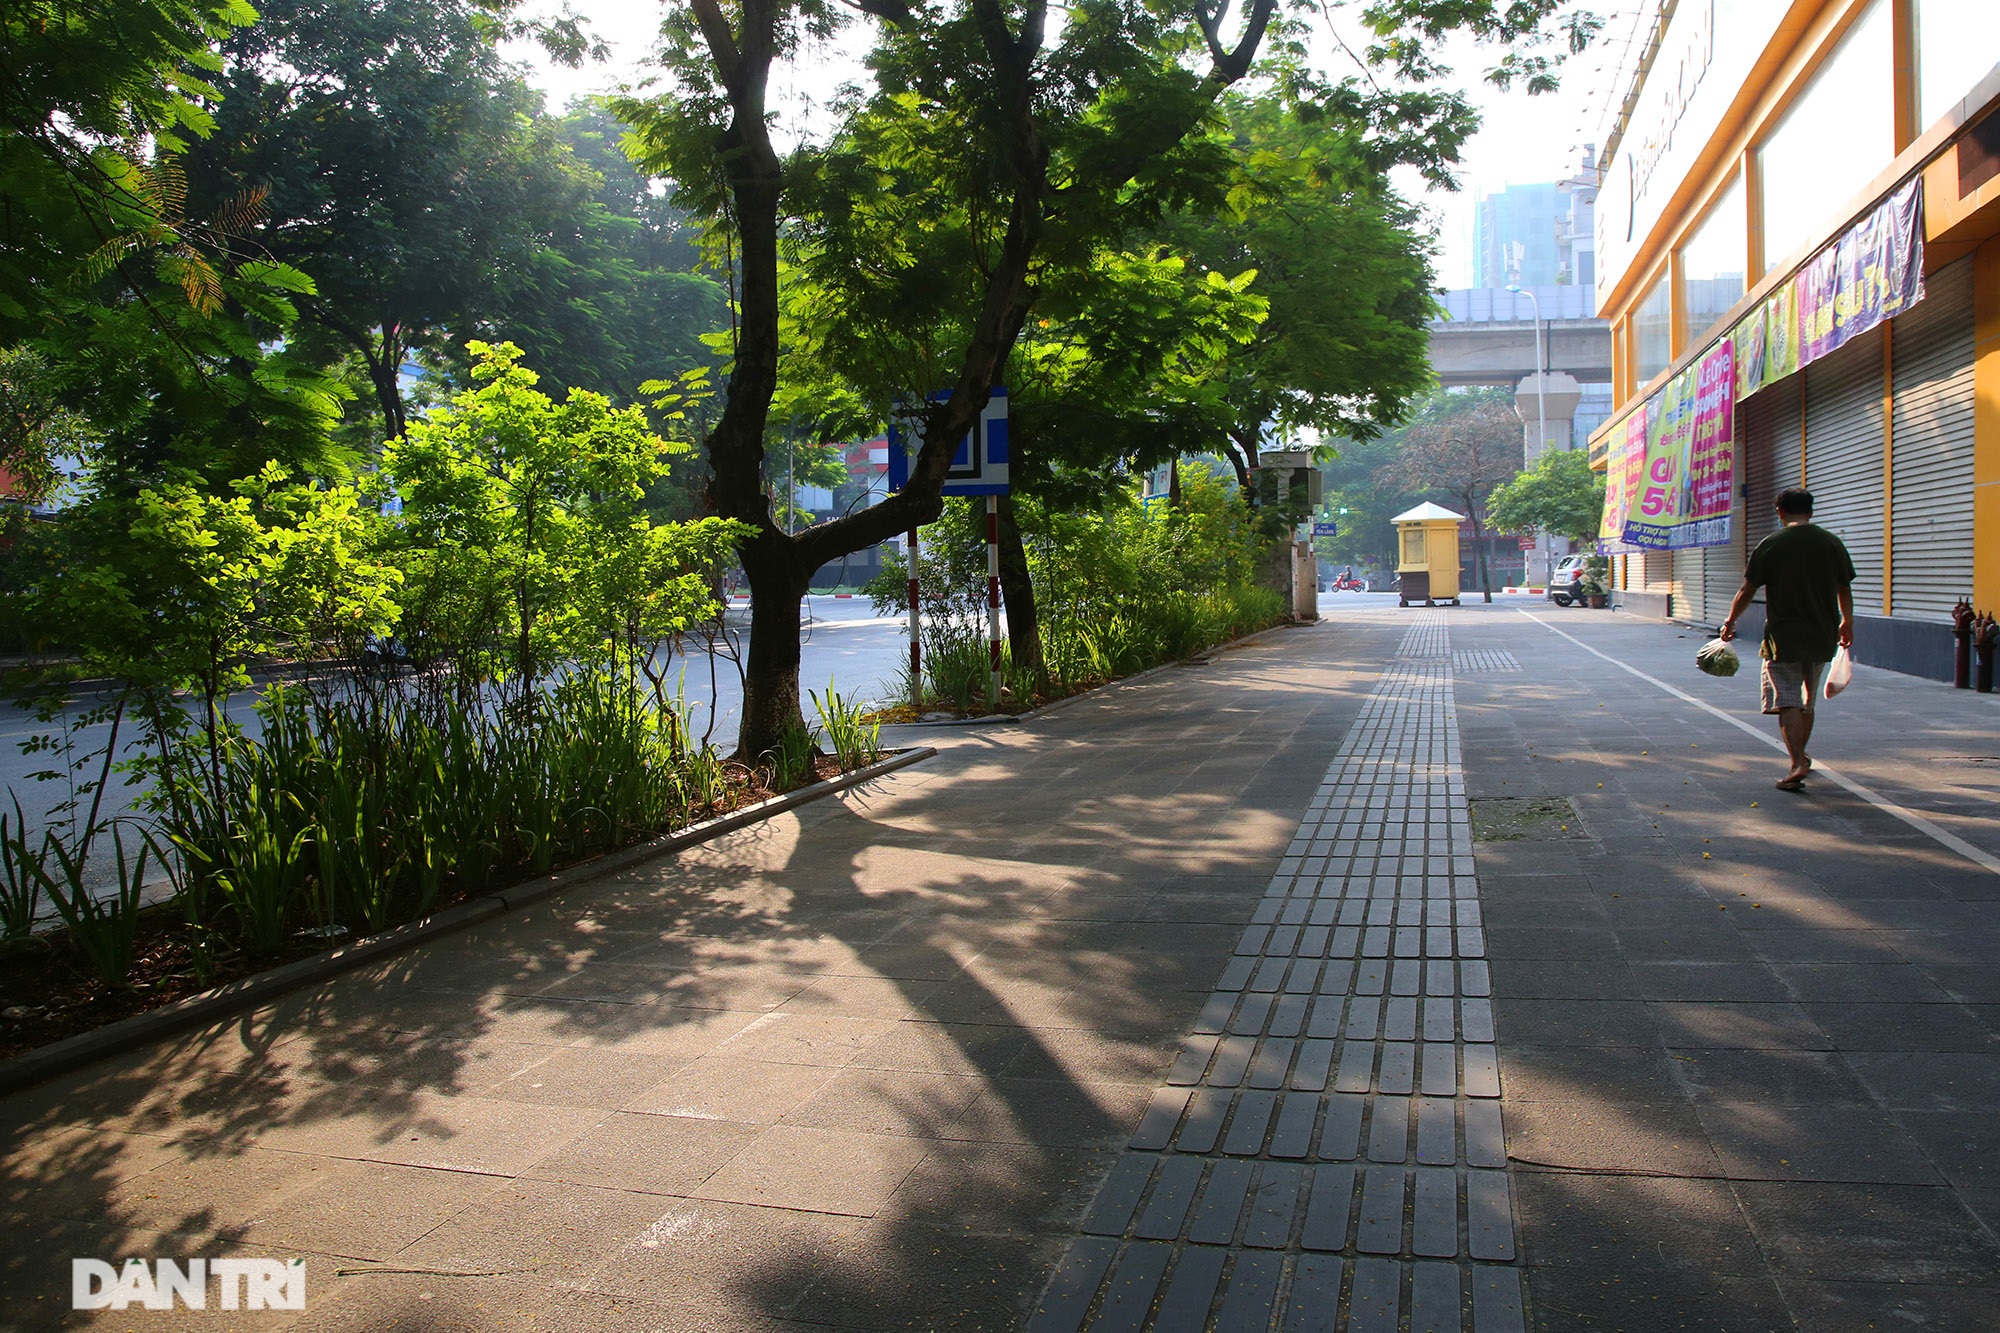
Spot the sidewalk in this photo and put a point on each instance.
(990, 1042)
(1750, 1040)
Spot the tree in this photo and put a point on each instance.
(1559, 495)
(94, 93)
(1031, 144)
(1344, 265)
(404, 165)
(1463, 445)
(515, 509)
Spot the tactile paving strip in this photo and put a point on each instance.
(1328, 1152)
(1466, 661)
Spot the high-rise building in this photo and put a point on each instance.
(1536, 235)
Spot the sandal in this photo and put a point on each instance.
(1792, 784)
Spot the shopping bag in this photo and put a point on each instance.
(1841, 674)
(1717, 658)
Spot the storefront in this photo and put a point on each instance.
(1797, 255)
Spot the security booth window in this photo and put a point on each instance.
(1413, 546)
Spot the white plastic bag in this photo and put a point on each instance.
(1717, 658)
(1841, 674)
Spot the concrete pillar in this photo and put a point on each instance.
(1559, 394)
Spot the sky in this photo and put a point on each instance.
(1524, 140)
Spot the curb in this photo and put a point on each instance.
(198, 1010)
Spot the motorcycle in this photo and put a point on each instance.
(1348, 583)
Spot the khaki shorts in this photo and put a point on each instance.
(1792, 684)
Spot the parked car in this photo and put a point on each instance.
(1565, 585)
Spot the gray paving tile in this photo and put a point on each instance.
(1376, 1302)
(1215, 1216)
(1128, 1296)
(1489, 1216)
(1380, 1226)
(1313, 1304)
(1329, 1208)
(1250, 1123)
(1435, 1299)
(1067, 1300)
(1173, 1191)
(1163, 1114)
(1119, 1197)
(1434, 1219)
(1191, 1289)
(1251, 1295)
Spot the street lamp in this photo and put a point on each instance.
(1541, 412)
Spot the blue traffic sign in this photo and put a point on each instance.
(1326, 527)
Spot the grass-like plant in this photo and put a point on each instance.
(856, 743)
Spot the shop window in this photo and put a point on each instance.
(1713, 263)
(1958, 42)
(1838, 135)
(1653, 333)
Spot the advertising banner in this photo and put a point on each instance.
(1655, 508)
(1711, 468)
(1874, 272)
(1670, 482)
(1625, 464)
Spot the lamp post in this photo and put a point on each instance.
(1541, 414)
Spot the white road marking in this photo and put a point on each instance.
(1944, 837)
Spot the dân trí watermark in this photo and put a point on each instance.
(160, 1284)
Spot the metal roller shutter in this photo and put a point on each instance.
(1769, 428)
(1843, 463)
(1722, 574)
(1930, 564)
(1689, 567)
(1656, 572)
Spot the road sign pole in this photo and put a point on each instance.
(916, 641)
(993, 600)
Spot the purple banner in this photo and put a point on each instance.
(1873, 272)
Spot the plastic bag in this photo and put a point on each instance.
(1717, 658)
(1841, 674)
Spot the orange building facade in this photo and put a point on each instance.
(1766, 149)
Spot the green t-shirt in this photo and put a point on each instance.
(1802, 569)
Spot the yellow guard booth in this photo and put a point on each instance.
(1427, 555)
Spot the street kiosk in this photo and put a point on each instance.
(1427, 555)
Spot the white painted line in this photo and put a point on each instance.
(1944, 837)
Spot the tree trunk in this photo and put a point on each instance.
(1479, 547)
(1017, 594)
(771, 674)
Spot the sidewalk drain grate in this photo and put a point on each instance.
(1525, 819)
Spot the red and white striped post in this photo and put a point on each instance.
(993, 600)
(916, 641)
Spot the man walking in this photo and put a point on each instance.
(1806, 575)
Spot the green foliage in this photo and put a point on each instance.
(94, 94)
(791, 759)
(856, 743)
(104, 929)
(1120, 589)
(21, 881)
(407, 166)
(522, 533)
(1560, 495)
